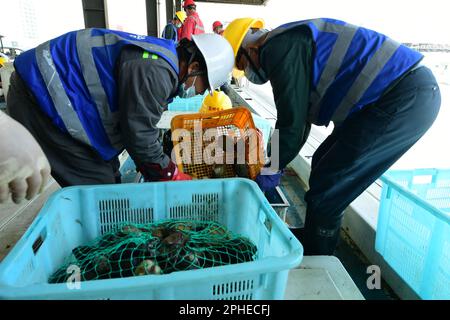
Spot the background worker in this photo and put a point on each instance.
(173, 29)
(24, 169)
(374, 90)
(193, 24)
(84, 109)
(217, 28)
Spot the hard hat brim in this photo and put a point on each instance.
(244, 25)
(218, 56)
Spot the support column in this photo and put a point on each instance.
(156, 17)
(170, 12)
(152, 17)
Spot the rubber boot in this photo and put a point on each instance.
(320, 241)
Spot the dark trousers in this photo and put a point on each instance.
(72, 162)
(360, 150)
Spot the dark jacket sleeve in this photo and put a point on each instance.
(287, 60)
(144, 86)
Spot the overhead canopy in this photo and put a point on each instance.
(250, 2)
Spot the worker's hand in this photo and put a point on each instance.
(154, 172)
(268, 179)
(178, 176)
(24, 169)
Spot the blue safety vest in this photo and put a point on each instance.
(72, 79)
(353, 67)
(175, 32)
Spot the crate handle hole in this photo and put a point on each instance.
(422, 179)
(268, 225)
(37, 244)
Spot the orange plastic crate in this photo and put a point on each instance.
(235, 122)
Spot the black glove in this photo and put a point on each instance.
(154, 172)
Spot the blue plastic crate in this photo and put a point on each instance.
(190, 104)
(75, 216)
(413, 233)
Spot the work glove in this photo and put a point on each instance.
(24, 168)
(154, 172)
(178, 176)
(268, 179)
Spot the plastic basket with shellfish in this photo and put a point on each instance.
(220, 144)
(75, 216)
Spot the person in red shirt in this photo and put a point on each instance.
(218, 28)
(192, 24)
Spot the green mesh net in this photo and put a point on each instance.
(157, 248)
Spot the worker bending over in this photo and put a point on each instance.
(374, 89)
(88, 94)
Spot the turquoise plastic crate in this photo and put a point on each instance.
(76, 215)
(191, 104)
(413, 233)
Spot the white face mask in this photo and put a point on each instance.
(189, 92)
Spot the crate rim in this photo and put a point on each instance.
(390, 182)
(172, 279)
(287, 262)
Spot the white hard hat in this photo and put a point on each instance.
(218, 56)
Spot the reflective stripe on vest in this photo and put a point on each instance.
(198, 29)
(334, 63)
(58, 94)
(365, 78)
(339, 56)
(71, 90)
(370, 71)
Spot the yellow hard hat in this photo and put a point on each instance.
(181, 15)
(217, 102)
(3, 59)
(237, 30)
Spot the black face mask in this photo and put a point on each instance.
(253, 74)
